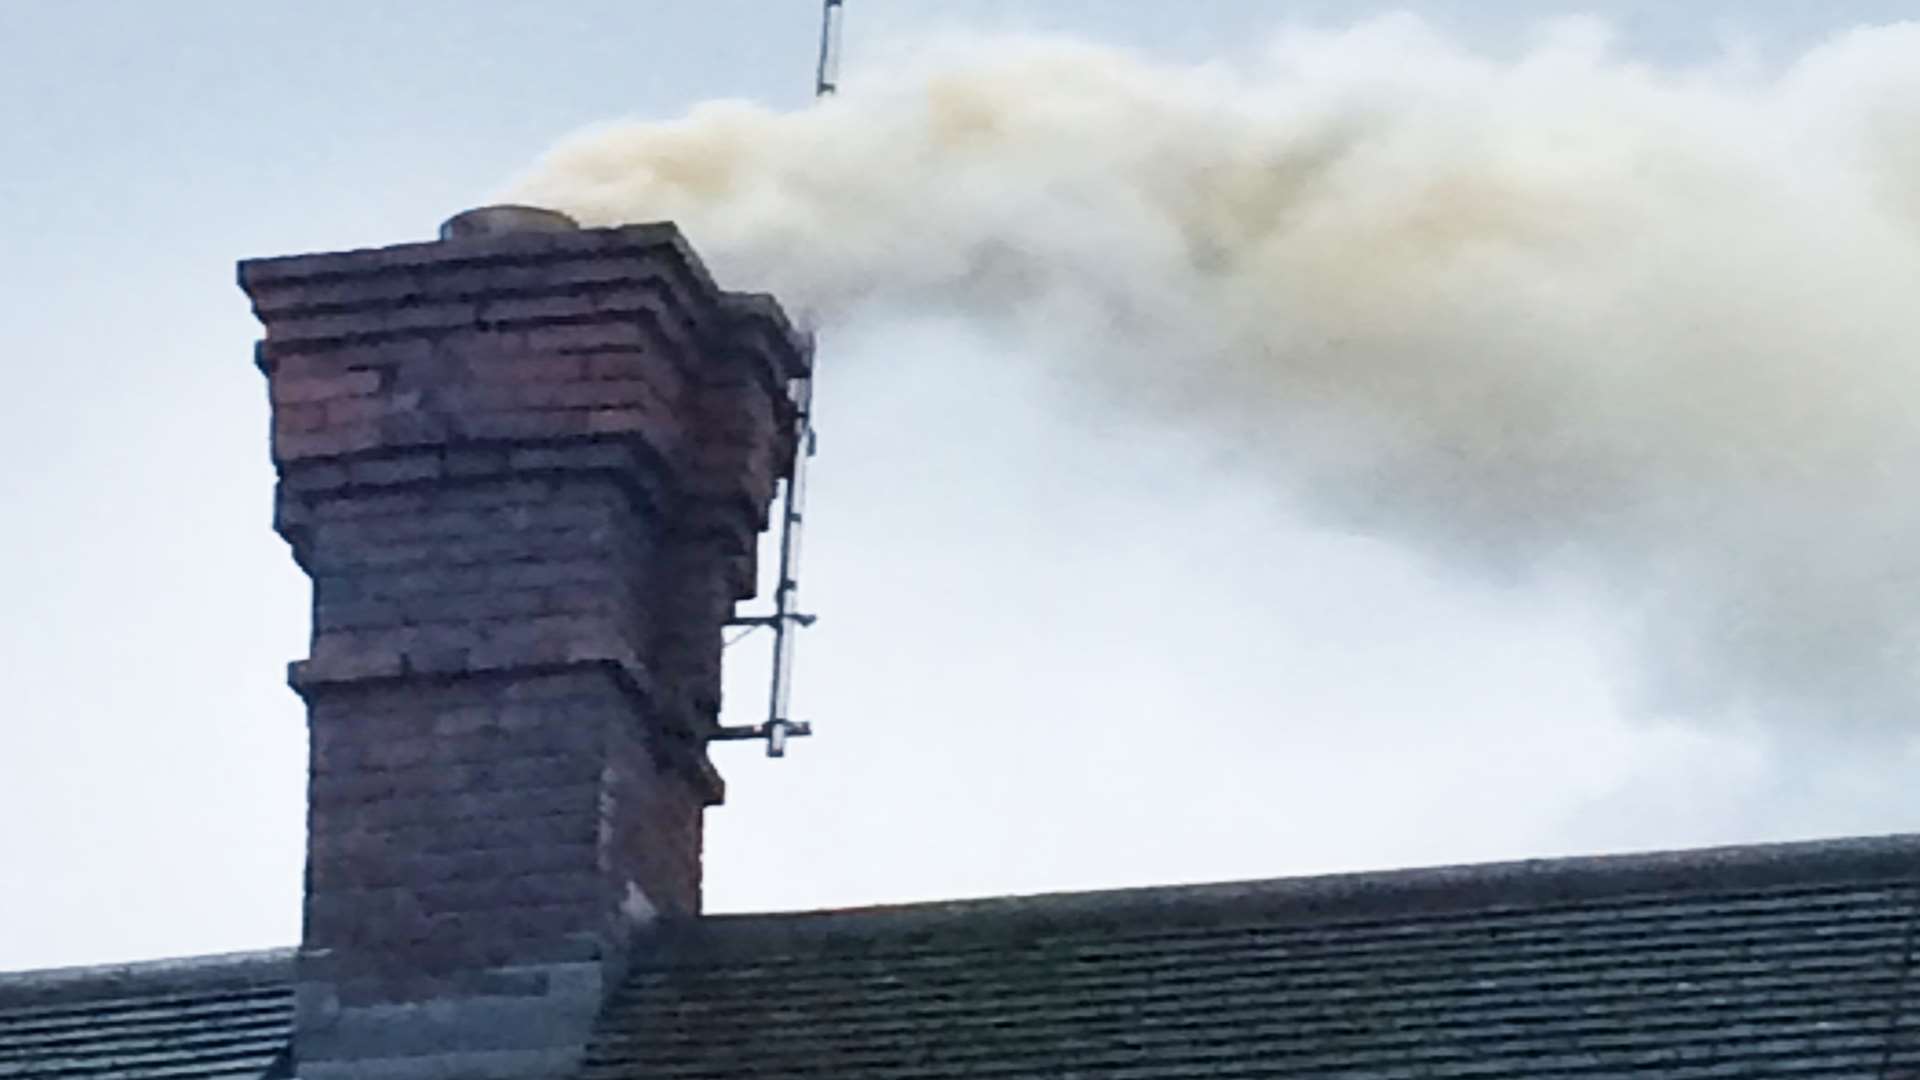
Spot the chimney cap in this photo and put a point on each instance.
(505, 218)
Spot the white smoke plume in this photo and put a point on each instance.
(1560, 318)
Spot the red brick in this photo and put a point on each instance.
(527, 368)
(287, 390)
(299, 418)
(327, 442)
(347, 654)
(586, 337)
(298, 366)
(528, 424)
(356, 410)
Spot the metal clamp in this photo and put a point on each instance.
(776, 732)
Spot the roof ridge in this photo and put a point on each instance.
(1525, 884)
(262, 968)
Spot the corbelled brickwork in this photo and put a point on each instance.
(525, 472)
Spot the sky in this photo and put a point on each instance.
(1057, 649)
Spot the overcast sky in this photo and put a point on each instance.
(1053, 653)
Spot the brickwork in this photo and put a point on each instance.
(525, 473)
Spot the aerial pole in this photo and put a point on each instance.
(827, 77)
(786, 619)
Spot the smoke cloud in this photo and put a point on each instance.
(1561, 319)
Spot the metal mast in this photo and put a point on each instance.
(786, 618)
(827, 77)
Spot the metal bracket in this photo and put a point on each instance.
(772, 620)
(776, 732)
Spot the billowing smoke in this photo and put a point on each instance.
(1562, 319)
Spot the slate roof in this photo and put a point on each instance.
(1773, 961)
(1791, 960)
(218, 1016)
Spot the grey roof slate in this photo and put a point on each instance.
(219, 1016)
(1772, 961)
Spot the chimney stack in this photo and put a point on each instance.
(525, 467)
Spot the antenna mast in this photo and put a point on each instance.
(786, 618)
(827, 77)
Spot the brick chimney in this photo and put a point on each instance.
(525, 467)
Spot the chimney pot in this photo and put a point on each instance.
(504, 218)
